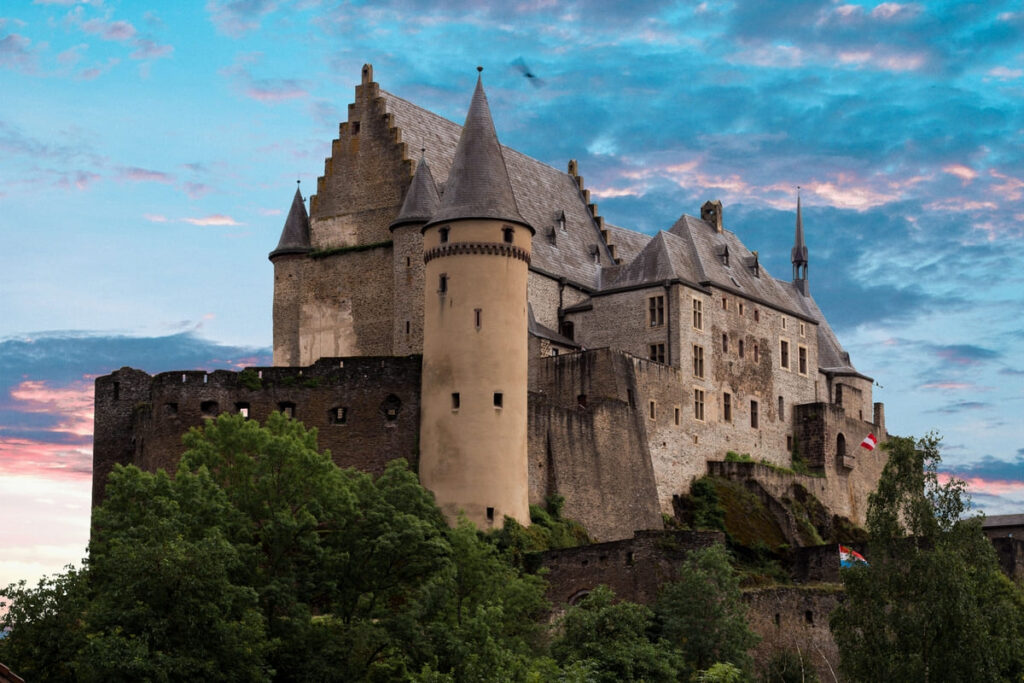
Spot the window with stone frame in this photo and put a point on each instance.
(802, 359)
(657, 353)
(698, 361)
(727, 407)
(656, 311)
(698, 404)
(698, 314)
(784, 354)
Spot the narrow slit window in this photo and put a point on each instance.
(782, 408)
(407, 327)
(677, 416)
(753, 415)
(740, 347)
(456, 401)
(653, 410)
(442, 284)
(476, 317)
(499, 399)
(725, 343)
(727, 407)
(630, 398)
(802, 358)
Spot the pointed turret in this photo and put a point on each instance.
(295, 235)
(799, 252)
(478, 185)
(421, 200)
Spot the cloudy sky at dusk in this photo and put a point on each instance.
(149, 152)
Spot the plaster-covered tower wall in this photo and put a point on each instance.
(290, 259)
(421, 202)
(473, 428)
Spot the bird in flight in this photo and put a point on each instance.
(520, 64)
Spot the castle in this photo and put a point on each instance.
(459, 304)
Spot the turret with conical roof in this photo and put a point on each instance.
(420, 203)
(473, 419)
(288, 258)
(295, 235)
(799, 253)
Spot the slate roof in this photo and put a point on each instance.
(994, 521)
(421, 199)
(545, 332)
(691, 251)
(540, 191)
(295, 235)
(478, 184)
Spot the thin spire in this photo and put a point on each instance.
(799, 253)
(478, 184)
(295, 235)
(421, 200)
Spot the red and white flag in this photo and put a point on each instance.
(869, 442)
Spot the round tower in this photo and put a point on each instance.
(476, 252)
(290, 262)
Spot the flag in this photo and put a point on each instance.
(869, 442)
(848, 557)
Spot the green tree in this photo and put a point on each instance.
(932, 604)
(702, 613)
(45, 625)
(612, 640)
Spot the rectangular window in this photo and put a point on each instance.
(407, 327)
(784, 354)
(782, 409)
(698, 404)
(630, 398)
(677, 416)
(727, 407)
(803, 330)
(338, 416)
(443, 232)
(490, 514)
(477, 314)
(757, 353)
(653, 410)
(442, 284)
(789, 443)
(753, 414)
(725, 303)
(455, 401)
(698, 361)
(656, 310)
(243, 409)
(698, 314)
(740, 345)
(757, 315)
(740, 308)
(783, 322)
(802, 357)
(725, 343)
(657, 353)
(499, 399)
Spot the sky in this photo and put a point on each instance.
(149, 153)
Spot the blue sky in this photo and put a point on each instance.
(148, 155)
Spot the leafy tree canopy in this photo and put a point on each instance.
(933, 604)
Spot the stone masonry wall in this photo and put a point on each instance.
(379, 397)
(795, 619)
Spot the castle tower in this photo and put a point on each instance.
(288, 260)
(476, 251)
(421, 202)
(799, 253)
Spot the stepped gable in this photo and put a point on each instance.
(421, 199)
(722, 260)
(295, 235)
(541, 193)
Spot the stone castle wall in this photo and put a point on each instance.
(366, 410)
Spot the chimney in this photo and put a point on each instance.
(711, 212)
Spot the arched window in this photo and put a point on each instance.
(840, 446)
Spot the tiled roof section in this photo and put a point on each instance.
(666, 257)
(628, 243)
(993, 521)
(295, 235)
(720, 259)
(421, 199)
(544, 332)
(478, 185)
(541, 192)
(832, 357)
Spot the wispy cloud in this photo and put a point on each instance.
(214, 219)
(144, 175)
(16, 52)
(268, 90)
(237, 17)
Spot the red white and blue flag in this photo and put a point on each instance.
(848, 557)
(869, 442)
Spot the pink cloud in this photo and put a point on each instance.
(69, 452)
(270, 212)
(992, 487)
(275, 90)
(196, 190)
(895, 10)
(960, 171)
(148, 49)
(959, 204)
(136, 174)
(1010, 189)
(155, 217)
(949, 386)
(109, 30)
(214, 219)
(1005, 73)
(72, 402)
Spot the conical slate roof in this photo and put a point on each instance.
(421, 201)
(799, 252)
(478, 184)
(295, 235)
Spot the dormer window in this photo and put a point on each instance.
(560, 220)
(507, 234)
(725, 256)
(444, 234)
